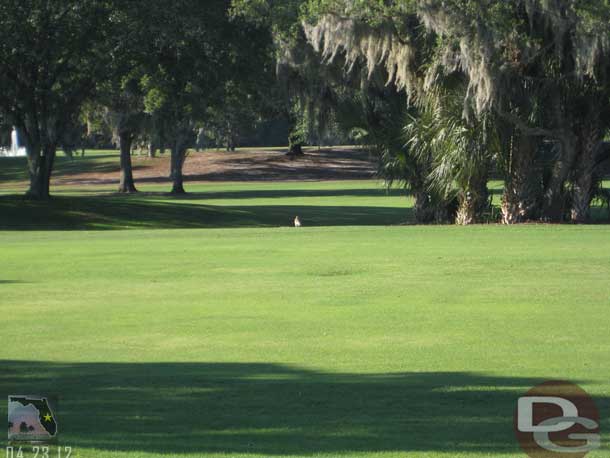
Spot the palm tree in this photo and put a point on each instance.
(459, 150)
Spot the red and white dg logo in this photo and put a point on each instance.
(557, 419)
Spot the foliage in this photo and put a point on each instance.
(518, 87)
(533, 70)
(51, 55)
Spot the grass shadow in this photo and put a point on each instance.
(271, 409)
(293, 193)
(15, 169)
(119, 212)
(91, 211)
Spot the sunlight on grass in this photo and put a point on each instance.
(358, 335)
(338, 341)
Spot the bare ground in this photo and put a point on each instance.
(220, 166)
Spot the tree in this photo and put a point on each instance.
(249, 91)
(390, 55)
(121, 94)
(540, 67)
(534, 69)
(51, 54)
(185, 67)
(459, 153)
(124, 113)
(293, 56)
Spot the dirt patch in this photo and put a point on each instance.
(221, 166)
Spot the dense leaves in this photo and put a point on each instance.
(448, 93)
(535, 74)
(51, 54)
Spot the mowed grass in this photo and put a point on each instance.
(227, 205)
(355, 336)
(210, 205)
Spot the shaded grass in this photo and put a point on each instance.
(355, 203)
(14, 169)
(261, 409)
(237, 204)
(244, 205)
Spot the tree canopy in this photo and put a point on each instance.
(447, 93)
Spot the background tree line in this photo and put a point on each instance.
(455, 92)
(169, 74)
(447, 93)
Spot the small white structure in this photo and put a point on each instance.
(297, 222)
(16, 149)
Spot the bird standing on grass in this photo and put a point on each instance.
(297, 222)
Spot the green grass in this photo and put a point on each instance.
(211, 329)
(349, 341)
(15, 169)
(213, 205)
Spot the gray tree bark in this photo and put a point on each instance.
(177, 163)
(40, 167)
(127, 185)
(41, 147)
(152, 150)
(178, 157)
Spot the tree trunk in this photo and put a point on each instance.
(152, 149)
(127, 184)
(474, 203)
(589, 142)
(40, 167)
(232, 144)
(425, 213)
(161, 141)
(200, 141)
(466, 214)
(523, 188)
(183, 137)
(296, 149)
(295, 138)
(554, 205)
(177, 163)
(49, 160)
(429, 210)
